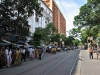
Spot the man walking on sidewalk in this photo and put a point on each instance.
(91, 52)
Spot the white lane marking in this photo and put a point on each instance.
(56, 64)
(81, 61)
(73, 66)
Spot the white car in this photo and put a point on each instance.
(59, 49)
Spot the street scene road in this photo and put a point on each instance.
(61, 63)
(74, 62)
(38, 37)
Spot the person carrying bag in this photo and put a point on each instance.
(91, 53)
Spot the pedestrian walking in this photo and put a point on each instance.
(97, 52)
(37, 52)
(13, 56)
(2, 57)
(8, 53)
(91, 53)
(31, 53)
(40, 53)
(23, 54)
(18, 57)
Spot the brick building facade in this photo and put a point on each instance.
(58, 18)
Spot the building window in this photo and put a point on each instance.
(36, 18)
(45, 22)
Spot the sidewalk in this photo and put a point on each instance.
(23, 63)
(89, 66)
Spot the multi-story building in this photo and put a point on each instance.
(35, 21)
(58, 17)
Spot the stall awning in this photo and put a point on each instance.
(4, 42)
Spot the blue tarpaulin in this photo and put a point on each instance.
(21, 43)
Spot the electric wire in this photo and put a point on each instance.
(65, 11)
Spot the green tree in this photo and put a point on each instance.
(49, 31)
(88, 19)
(75, 32)
(76, 42)
(58, 38)
(51, 28)
(69, 41)
(14, 15)
(55, 37)
(43, 35)
(84, 35)
(36, 37)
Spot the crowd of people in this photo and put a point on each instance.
(15, 56)
(92, 51)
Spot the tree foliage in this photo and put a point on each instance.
(76, 42)
(69, 41)
(88, 20)
(14, 15)
(43, 34)
(55, 38)
(74, 32)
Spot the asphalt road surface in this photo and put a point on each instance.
(61, 63)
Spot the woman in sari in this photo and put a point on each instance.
(18, 57)
(37, 52)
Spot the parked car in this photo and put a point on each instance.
(59, 49)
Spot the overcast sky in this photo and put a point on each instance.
(71, 8)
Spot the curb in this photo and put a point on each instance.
(79, 66)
